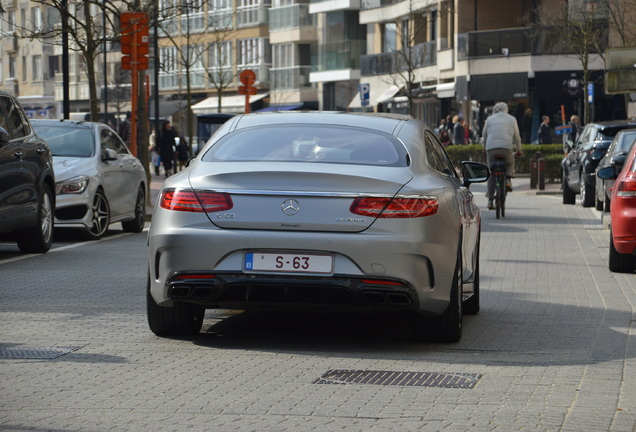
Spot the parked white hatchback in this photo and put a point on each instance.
(99, 182)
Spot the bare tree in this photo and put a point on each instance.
(413, 51)
(579, 28)
(85, 30)
(194, 32)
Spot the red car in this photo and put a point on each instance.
(622, 255)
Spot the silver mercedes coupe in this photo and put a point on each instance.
(318, 211)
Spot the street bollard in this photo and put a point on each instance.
(533, 172)
(541, 173)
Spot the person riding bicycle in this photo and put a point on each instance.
(501, 137)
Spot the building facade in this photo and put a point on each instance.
(428, 58)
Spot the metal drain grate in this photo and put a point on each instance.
(35, 353)
(420, 379)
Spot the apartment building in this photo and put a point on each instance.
(429, 58)
(459, 57)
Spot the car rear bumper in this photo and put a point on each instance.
(373, 270)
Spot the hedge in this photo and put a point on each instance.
(552, 156)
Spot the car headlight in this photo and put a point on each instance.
(76, 185)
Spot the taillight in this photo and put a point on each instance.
(626, 187)
(399, 207)
(189, 200)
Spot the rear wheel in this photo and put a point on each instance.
(182, 319)
(448, 326)
(100, 219)
(39, 238)
(569, 197)
(137, 224)
(618, 262)
(587, 193)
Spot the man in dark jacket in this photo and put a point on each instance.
(545, 137)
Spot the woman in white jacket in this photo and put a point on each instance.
(501, 137)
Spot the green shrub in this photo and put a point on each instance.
(552, 156)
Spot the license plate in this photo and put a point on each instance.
(288, 263)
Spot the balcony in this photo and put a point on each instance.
(337, 55)
(252, 16)
(421, 55)
(291, 78)
(290, 17)
(518, 41)
(373, 4)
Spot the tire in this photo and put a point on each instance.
(39, 238)
(587, 193)
(608, 201)
(448, 326)
(599, 203)
(182, 319)
(100, 219)
(569, 197)
(471, 305)
(618, 262)
(136, 225)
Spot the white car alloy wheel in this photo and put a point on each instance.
(101, 217)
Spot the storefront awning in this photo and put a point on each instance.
(377, 94)
(229, 104)
(446, 90)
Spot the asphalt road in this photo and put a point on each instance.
(553, 348)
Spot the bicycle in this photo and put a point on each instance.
(498, 171)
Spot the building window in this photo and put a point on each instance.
(283, 55)
(12, 67)
(248, 12)
(24, 68)
(37, 68)
(36, 19)
(251, 52)
(220, 54)
(11, 22)
(389, 37)
(1, 70)
(54, 66)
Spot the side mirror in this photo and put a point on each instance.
(109, 155)
(4, 136)
(474, 172)
(607, 173)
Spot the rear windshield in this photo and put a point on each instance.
(608, 133)
(309, 143)
(66, 141)
(626, 143)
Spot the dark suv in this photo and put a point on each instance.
(27, 182)
(580, 163)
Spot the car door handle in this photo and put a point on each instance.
(18, 155)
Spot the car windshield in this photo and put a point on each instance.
(309, 143)
(67, 141)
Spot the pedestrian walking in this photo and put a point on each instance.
(545, 137)
(183, 153)
(459, 133)
(167, 145)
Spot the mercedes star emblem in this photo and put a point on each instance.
(290, 207)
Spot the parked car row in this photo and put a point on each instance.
(601, 168)
(63, 173)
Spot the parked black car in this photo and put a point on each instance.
(579, 165)
(27, 182)
(615, 156)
